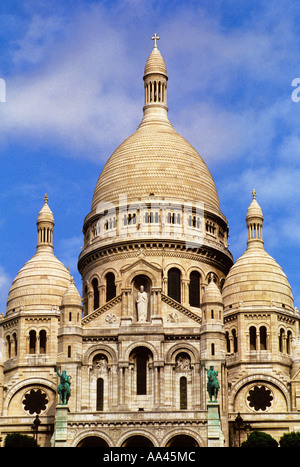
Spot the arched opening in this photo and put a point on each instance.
(174, 284)
(182, 441)
(183, 393)
(8, 347)
(235, 341)
(194, 289)
(227, 342)
(281, 339)
(110, 286)
(15, 340)
(141, 357)
(263, 338)
(289, 342)
(43, 339)
(100, 394)
(32, 342)
(93, 442)
(253, 338)
(95, 293)
(137, 441)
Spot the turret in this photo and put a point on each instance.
(212, 328)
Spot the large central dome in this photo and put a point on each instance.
(155, 159)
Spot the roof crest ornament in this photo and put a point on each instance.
(155, 38)
(253, 194)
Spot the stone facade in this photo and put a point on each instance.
(161, 302)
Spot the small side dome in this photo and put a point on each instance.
(212, 293)
(42, 281)
(256, 279)
(71, 297)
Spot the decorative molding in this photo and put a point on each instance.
(171, 302)
(91, 316)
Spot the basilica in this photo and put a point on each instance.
(170, 343)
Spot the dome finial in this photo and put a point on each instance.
(254, 220)
(155, 38)
(45, 225)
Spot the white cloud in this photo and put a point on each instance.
(85, 88)
(79, 97)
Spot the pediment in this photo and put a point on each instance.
(141, 267)
(141, 263)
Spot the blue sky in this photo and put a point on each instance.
(74, 91)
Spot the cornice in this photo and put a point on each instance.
(124, 250)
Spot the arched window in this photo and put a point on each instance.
(43, 339)
(100, 394)
(263, 338)
(183, 393)
(194, 289)
(141, 358)
(174, 283)
(235, 344)
(141, 369)
(227, 342)
(8, 344)
(96, 293)
(253, 338)
(32, 342)
(281, 339)
(110, 286)
(15, 340)
(289, 342)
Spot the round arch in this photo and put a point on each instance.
(181, 438)
(152, 272)
(26, 384)
(184, 274)
(198, 269)
(259, 379)
(88, 437)
(106, 271)
(128, 439)
(178, 348)
(92, 442)
(136, 344)
(100, 348)
(95, 275)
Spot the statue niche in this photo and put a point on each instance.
(141, 297)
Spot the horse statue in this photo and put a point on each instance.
(212, 383)
(64, 389)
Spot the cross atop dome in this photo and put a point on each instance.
(155, 38)
(253, 194)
